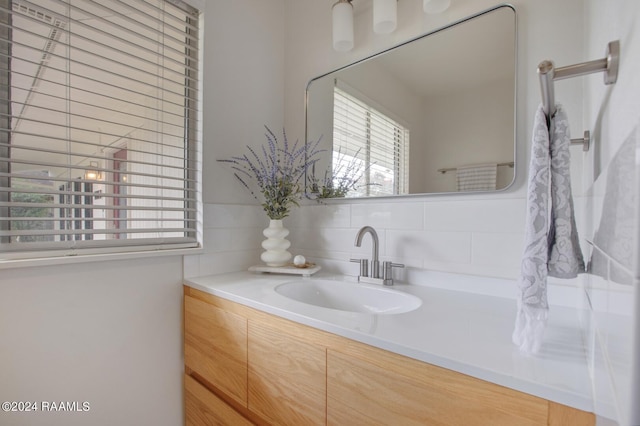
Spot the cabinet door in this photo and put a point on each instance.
(215, 347)
(287, 377)
(203, 408)
(387, 392)
(561, 415)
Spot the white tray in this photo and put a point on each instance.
(287, 269)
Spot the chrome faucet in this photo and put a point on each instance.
(375, 263)
(387, 266)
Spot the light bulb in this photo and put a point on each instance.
(385, 16)
(342, 14)
(435, 6)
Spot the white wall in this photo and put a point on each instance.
(243, 87)
(486, 138)
(108, 333)
(611, 205)
(243, 92)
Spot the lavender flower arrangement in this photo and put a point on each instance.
(278, 173)
(336, 183)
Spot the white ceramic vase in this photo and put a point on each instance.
(276, 244)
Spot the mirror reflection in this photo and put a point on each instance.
(433, 115)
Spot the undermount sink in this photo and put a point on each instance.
(349, 296)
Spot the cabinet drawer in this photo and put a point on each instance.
(203, 408)
(215, 347)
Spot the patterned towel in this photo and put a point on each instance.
(565, 255)
(551, 239)
(480, 177)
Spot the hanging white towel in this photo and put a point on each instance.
(551, 241)
(479, 177)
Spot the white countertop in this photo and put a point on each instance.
(460, 331)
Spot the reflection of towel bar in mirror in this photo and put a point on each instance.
(548, 73)
(451, 169)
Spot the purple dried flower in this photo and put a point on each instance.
(278, 174)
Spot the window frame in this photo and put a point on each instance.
(193, 182)
(401, 145)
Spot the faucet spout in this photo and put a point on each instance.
(375, 269)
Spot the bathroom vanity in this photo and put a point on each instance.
(255, 356)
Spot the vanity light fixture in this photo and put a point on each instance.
(385, 16)
(342, 16)
(435, 6)
(385, 19)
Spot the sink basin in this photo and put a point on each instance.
(349, 296)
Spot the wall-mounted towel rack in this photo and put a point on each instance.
(450, 169)
(548, 74)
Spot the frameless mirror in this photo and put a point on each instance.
(433, 115)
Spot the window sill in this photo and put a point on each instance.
(99, 257)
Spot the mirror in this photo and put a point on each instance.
(433, 115)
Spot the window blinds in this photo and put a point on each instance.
(98, 125)
(378, 144)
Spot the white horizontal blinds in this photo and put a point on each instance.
(5, 114)
(366, 139)
(98, 139)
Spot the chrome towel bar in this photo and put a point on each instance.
(548, 73)
(450, 169)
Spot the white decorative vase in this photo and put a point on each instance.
(276, 244)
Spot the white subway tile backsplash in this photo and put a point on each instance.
(249, 238)
(491, 215)
(191, 266)
(339, 267)
(325, 239)
(450, 247)
(323, 255)
(423, 234)
(217, 240)
(597, 290)
(230, 261)
(497, 249)
(396, 215)
(490, 286)
(565, 292)
(233, 216)
(232, 237)
(316, 216)
(603, 393)
(621, 299)
(470, 269)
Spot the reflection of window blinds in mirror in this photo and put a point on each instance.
(381, 143)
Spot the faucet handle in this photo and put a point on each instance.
(387, 275)
(364, 266)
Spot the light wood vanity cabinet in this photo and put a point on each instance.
(383, 389)
(287, 377)
(215, 346)
(244, 366)
(204, 408)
